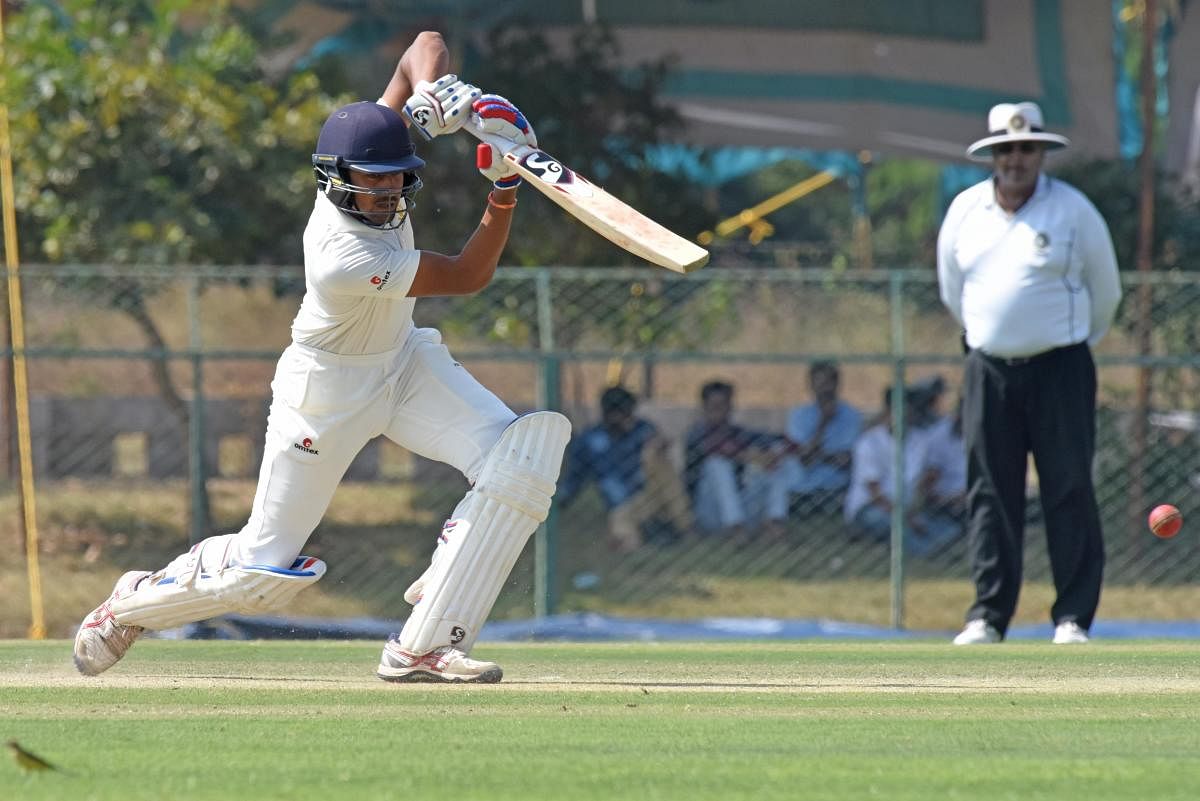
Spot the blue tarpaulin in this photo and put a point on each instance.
(591, 627)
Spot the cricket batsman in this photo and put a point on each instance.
(356, 368)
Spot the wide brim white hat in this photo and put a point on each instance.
(1014, 122)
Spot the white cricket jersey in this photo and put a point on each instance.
(1023, 283)
(356, 282)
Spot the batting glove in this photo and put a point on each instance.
(500, 117)
(491, 163)
(440, 107)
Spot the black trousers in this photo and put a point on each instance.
(1044, 405)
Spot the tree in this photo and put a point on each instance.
(140, 139)
(1113, 186)
(145, 134)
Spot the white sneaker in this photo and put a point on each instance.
(978, 632)
(446, 664)
(1069, 633)
(101, 641)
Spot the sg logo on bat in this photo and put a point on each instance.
(549, 171)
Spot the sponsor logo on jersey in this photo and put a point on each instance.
(1041, 242)
(306, 445)
(379, 282)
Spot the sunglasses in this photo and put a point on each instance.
(1004, 148)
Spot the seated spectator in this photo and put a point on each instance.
(946, 492)
(926, 397)
(628, 460)
(732, 473)
(870, 498)
(821, 436)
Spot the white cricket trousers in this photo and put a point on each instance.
(723, 501)
(326, 407)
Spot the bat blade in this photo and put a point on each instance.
(613, 219)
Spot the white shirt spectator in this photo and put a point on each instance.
(1028, 282)
(873, 462)
(947, 456)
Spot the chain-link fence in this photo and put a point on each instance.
(149, 391)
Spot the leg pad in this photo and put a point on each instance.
(249, 589)
(491, 526)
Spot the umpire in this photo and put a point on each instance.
(1026, 265)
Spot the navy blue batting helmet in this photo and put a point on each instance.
(371, 138)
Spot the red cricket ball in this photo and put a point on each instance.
(1165, 521)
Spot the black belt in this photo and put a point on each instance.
(1019, 361)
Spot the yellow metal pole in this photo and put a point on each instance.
(753, 215)
(37, 618)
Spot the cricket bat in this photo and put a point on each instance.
(617, 222)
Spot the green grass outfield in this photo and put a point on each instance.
(759, 720)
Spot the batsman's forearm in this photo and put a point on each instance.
(474, 266)
(492, 234)
(426, 59)
(479, 257)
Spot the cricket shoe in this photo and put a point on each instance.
(101, 641)
(1069, 633)
(445, 664)
(978, 632)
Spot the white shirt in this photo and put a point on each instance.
(873, 462)
(948, 456)
(356, 284)
(1028, 282)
